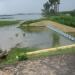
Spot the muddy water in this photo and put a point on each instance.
(12, 36)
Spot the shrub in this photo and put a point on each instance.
(22, 57)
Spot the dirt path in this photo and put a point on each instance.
(53, 65)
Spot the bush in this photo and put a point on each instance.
(22, 57)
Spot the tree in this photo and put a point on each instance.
(55, 5)
(51, 7)
(46, 10)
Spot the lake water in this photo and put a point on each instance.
(12, 36)
(20, 17)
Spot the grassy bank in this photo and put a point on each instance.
(53, 53)
(32, 21)
(66, 20)
(11, 57)
(19, 54)
(5, 23)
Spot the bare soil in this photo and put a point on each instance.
(53, 65)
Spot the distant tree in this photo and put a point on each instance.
(51, 7)
(46, 10)
(55, 5)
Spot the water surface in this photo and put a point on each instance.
(20, 17)
(12, 36)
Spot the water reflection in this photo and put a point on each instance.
(33, 29)
(23, 34)
(17, 35)
(56, 39)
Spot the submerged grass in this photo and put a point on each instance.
(19, 54)
(5, 23)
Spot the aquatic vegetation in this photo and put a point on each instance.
(56, 39)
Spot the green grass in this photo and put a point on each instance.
(66, 20)
(5, 23)
(21, 53)
(11, 57)
(53, 53)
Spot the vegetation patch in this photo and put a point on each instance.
(16, 54)
(20, 54)
(4, 23)
(53, 53)
(66, 20)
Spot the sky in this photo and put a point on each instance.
(30, 6)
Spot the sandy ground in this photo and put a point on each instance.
(53, 65)
(56, 25)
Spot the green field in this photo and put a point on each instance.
(5, 23)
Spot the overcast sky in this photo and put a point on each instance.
(30, 6)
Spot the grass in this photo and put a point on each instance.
(66, 20)
(5, 23)
(11, 57)
(19, 54)
(53, 53)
